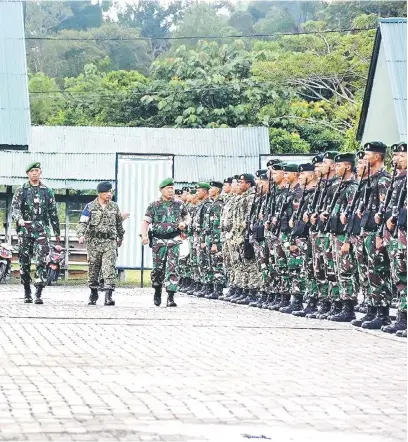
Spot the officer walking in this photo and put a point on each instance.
(101, 227)
(167, 217)
(34, 209)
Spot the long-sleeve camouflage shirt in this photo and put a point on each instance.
(36, 204)
(101, 222)
(215, 213)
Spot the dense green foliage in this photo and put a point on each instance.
(306, 88)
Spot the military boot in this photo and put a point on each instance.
(337, 306)
(192, 288)
(346, 314)
(323, 309)
(202, 292)
(256, 298)
(181, 283)
(261, 299)
(268, 300)
(170, 300)
(27, 293)
(295, 305)
(276, 301)
(198, 288)
(369, 316)
(187, 284)
(310, 308)
(284, 302)
(399, 324)
(157, 296)
(243, 293)
(401, 333)
(382, 319)
(250, 297)
(237, 294)
(209, 291)
(93, 297)
(217, 292)
(332, 311)
(230, 292)
(108, 297)
(38, 293)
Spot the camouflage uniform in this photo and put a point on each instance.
(102, 227)
(164, 217)
(230, 220)
(36, 204)
(213, 236)
(202, 225)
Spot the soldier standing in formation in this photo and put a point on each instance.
(167, 218)
(306, 239)
(100, 226)
(34, 210)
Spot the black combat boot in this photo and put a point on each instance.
(108, 297)
(229, 292)
(261, 299)
(232, 293)
(157, 296)
(217, 292)
(237, 295)
(284, 302)
(347, 313)
(202, 292)
(244, 295)
(399, 324)
(250, 297)
(337, 306)
(27, 293)
(369, 316)
(93, 297)
(209, 291)
(323, 309)
(38, 293)
(276, 302)
(181, 283)
(382, 319)
(186, 285)
(194, 286)
(401, 333)
(270, 298)
(310, 308)
(295, 305)
(170, 300)
(332, 311)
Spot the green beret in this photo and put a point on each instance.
(307, 167)
(166, 182)
(400, 147)
(345, 158)
(248, 177)
(193, 191)
(318, 158)
(104, 186)
(290, 167)
(330, 155)
(272, 162)
(261, 172)
(278, 166)
(375, 146)
(34, 165)
(216, 184)
(360, 154)
(202, 186)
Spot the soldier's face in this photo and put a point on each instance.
(202, 193)
(243, 186)
(265, 186)
(340, 168)
(234, 186)
(403, 160)
(361, 168)
(326, 166)
(318, 169)
(34, 174)
(106, 196)
(278, 176)
(185, 195)
(213, 192)
(167, 192)
(372, 157)
(305, 177)
(290, 177)
(226, 187)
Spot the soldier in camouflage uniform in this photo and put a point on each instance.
(184, 277)
(34, 210)
(167, 218)
(101, 226)
(395, 238)
(213, 241)
(345, 266)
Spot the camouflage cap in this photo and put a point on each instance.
(33, 165)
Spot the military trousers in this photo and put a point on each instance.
(261, 259)
(165, 265)
(307, 272)
(295, 268)
(397, 253)
(36, 247)
(318, 249)
(346, 269)
(217, 266)
(360, 257)
(102, 255)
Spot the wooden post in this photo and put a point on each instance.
(66, 236)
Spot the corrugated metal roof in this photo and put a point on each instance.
(392, 34)
(242, 141)
(394, 37)
(15, 122)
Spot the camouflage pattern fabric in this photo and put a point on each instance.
(36, 204)
(213, 236)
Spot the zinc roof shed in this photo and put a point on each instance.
(384, 112)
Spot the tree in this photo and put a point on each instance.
(44, 101)
(283, 142)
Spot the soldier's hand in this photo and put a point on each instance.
(343, 219)
(181, 226)
(267, 225)
(81, 239)
(125, 215)
(145, 240)
(306, 218)
(214, 248)
(291, 223)
(390, 225)
(21, 222)
(313, 219)
(293, 248)
(377, 218)
(360, 214)
(274, 220)
(379, 244)
(203, 245)
(119, 241)
(345, 248)
(323, 217)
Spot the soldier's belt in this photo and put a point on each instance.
(103, 235)
(167, 235)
